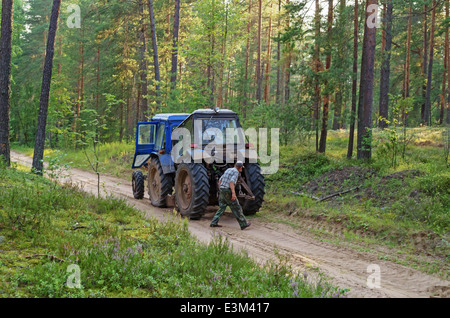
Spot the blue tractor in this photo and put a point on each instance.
(192, 185)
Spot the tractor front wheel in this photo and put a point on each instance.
(138, 185)
(160, 185)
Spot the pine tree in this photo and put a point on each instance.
(5, 77)
(45, 91)
(364, 145)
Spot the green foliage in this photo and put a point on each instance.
(120, 253)
(389, 204)
(396, 133)
(298, 167)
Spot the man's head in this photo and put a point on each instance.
(239, 165)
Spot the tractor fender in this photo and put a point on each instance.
(167, 163)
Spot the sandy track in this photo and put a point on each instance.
(347, 268)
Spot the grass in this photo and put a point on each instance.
(392, 208)
(406, 207)
(46, 228)
(114, 158)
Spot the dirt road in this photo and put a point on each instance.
(346, 267)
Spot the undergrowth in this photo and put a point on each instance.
(46, 229)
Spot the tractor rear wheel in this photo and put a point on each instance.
(138, 185)
(192, 190)
(160, 185)
(255, 180)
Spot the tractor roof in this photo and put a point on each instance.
(211, 111)
(183, 116)
(167, 117)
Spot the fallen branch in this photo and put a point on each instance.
(337, 193)
(130, 228)
(305, 195)
(79, 227)
(49, 256)
(326, 197)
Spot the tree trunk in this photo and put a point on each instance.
(386, 68)
(39, 145)
(258, 58)
(155, 55)
(340, 63)
(80, 88)
(224, 58)
(326, 100)
(210, 67)
(317, 65)
(5, 77)
(424, 63)
(142, 102)
(278, 92)
(176, 28)
(121, 117)
(287, 70)
(408, 57)
(267, 84)
(427, 115)
(448, 68)
(446, 72)
(364, 143)
(247, 56)
(81, 96)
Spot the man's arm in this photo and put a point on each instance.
(232, 183)
(233, 193)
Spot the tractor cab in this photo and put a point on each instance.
(206, 125)
(151, 137)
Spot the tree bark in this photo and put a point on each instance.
(424, 63)
(155, 55)
(121, 116)
(278, 92)
(224, 57)
(386, 68)
(266, 83)
(210, 67)
(5, 77)
(142, 101)
(446, 72)
(317, 65)
(247, 56)
(364, 143)
(427, 114)
(326, 100)
(340, 62)
(176, 28)
(287, 70)
(97, 93)
(45, 91)
(81, 91)
(408, 57)
(258, 58)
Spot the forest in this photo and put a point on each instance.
(360, 93)
(80, 68)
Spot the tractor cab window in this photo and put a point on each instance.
(146, 134)
(160, 138)
(215, 129)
